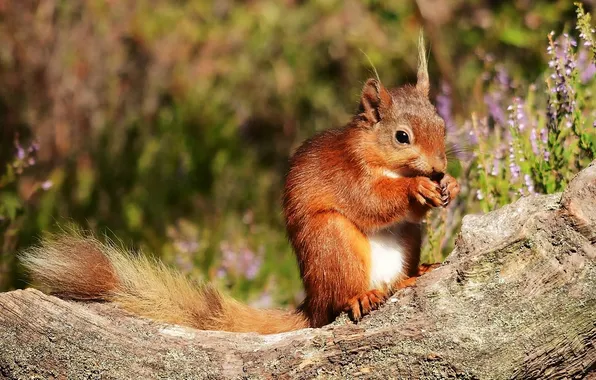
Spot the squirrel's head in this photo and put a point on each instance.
(404, 133)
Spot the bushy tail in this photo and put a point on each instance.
(72, 265)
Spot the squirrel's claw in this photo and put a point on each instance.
(449, 189)
(427, 192)
(362, 304)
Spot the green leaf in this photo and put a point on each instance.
(10, 205)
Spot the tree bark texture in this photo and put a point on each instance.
(515, 299)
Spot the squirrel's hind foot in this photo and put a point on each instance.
(364, 303)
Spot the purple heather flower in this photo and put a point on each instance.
(496, 166)
(471, 135)
(46, 185)
(520, 115)
(184, 264)
(252, 268)
(445, 107)
(586, 68)
(495, 96)
(514, 169)
(562, 94)
(534, 141)
(479, 195)
(493, 104)
(503, 77)
(544, 135)
(24, 156)
(242, 262)
(568, 122)
(517, 116)
(186, 246)
(265, 301)
(20, 151)
(529, 183)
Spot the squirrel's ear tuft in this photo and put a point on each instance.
(374, 100)
(423, 83)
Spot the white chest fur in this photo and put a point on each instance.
(387, 257)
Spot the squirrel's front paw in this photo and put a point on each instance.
(449, 189)
(364, 303)
(427, 192)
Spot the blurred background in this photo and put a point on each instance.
(167, 125)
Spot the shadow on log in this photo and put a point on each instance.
(515, 299)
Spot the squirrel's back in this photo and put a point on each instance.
(322, 173)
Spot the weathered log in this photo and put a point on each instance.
(515, 299)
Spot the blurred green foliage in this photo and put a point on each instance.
(168, 124)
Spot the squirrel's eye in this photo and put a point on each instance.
(402, 137)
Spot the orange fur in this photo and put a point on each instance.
(344, 187)
(346, 184)
(80, 267)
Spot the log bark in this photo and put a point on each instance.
(515, 299)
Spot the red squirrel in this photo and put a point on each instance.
(353, 203)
